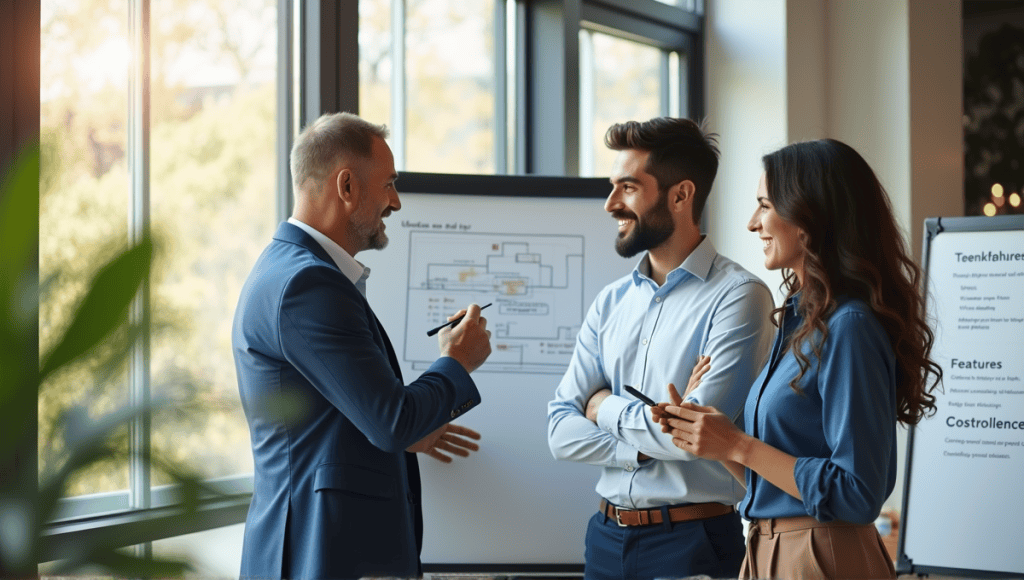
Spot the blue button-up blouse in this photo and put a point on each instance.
(842, 428)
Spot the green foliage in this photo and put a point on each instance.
(25, 508)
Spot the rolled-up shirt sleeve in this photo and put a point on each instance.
(856, 382)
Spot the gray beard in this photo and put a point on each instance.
(375, 238)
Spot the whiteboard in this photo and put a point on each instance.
(962, 501)
(541, 261)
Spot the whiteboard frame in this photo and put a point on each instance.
(933, 227)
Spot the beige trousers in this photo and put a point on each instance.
(803, 547)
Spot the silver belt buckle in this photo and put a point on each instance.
(618, 520)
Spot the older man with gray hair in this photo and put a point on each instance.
(337, 490)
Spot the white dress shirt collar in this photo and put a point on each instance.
(348, 265)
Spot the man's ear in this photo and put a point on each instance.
(680, 196)
(346, 186)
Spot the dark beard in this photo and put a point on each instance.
(649, 231)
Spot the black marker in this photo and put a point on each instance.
(639, 395)
(434, 331)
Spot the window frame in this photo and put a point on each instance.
(553, 109)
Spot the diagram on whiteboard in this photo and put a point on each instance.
(534, 282)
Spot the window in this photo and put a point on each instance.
(212, 204)
(635, 67)
(430, 70)
(188, 151)
(620, 80)
(84, 192)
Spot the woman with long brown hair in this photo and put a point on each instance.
(850, 360)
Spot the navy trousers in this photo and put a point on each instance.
(713, 547)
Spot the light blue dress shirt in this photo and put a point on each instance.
(646, 336)
(842, 428)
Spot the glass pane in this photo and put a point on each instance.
(621, 82)
(83, 214)
(375, 61)
(212, 175)
(450, 86)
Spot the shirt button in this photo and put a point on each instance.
(644, 341)
(657, 299)
(629, 467)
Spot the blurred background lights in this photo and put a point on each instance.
(997, 190)
(1015, 199)
(990, 209)
(999, 201)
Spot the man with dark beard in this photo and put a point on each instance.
(663, 512)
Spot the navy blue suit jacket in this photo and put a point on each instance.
(336, 495)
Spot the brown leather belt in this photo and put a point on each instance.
(682, 513)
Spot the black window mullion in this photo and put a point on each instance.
(553, 106)
(330, 59)
(651, 11)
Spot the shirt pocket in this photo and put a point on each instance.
(355, 480)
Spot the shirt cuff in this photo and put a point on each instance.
(813, 483)
(609, 412)
(625, 456)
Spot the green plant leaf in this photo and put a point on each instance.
(104, 307)
(19, 210)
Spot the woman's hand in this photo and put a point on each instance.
(705, 432)
(702, 366)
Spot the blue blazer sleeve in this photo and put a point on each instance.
(326, 334)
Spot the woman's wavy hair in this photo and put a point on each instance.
(852, 247)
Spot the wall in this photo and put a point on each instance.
(746, 68)
(884, 77)
(936, 113)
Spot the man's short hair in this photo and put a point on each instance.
(679, 150)
(323, 144)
